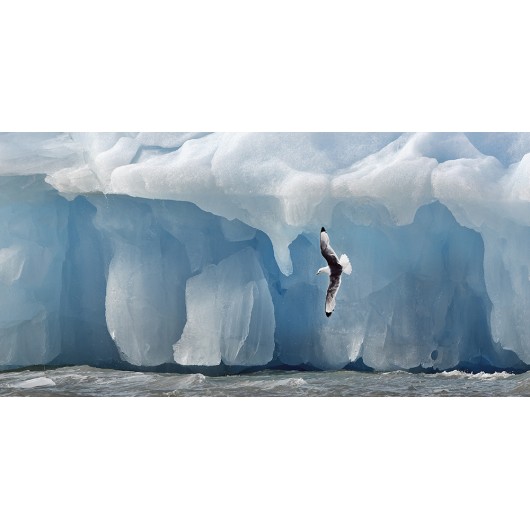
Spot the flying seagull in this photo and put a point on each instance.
(335, 268)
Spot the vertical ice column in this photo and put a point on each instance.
(85, 337)
(32, 240)
(144, 303)
(507, 274)
(230, 315)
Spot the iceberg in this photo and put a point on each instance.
(198, 251)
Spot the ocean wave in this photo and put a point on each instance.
(186, 381)
(269, 384)
(479, 375)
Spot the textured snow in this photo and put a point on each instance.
(199, 249)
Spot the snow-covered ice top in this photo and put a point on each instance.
(287, 183)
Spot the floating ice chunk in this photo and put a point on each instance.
(35, 383)
(410, 275)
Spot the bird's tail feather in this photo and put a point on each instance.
(346, 265)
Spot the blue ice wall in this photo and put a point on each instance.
(150, 283)
(416, 298)
(199, 251)
(33, 236)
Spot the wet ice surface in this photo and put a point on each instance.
(88, 381)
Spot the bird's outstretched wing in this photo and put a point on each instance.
(335, 269)
(329, 253)
(333, 287)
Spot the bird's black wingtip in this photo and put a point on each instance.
(328, 314)
(322, 229)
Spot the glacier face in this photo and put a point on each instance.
(194, 250)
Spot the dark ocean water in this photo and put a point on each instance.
(89, 381)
